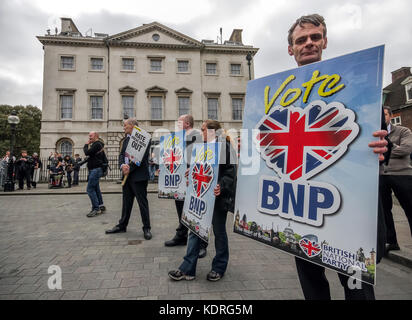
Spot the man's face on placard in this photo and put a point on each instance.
(307, 43)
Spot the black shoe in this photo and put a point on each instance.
(178, 275)
(214, 276)
(392, 246)
(116, 229)
(176, 241)
(147, 234)
(202, 253)
(102, 208)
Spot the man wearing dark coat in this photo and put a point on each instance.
(135, 185)
(307, 39)
(23, 167)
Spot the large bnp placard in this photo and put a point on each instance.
(305, 152)
(172, 164)
(136, 148)
(200, 199)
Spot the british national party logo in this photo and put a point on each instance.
(310, 246)
(297, 144)
(172, 159)
(202, 175)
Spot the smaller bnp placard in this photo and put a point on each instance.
(136, 148)
(200, 199)
(172, 165)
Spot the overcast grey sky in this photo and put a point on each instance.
(352, 25)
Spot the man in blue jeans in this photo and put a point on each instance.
(93, 149)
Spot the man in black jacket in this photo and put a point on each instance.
(96, 158)
(135, 185)
(24, 166)
(307, 39)
(185, 122)
(76, 169)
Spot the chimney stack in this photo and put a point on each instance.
(236, 36)
(401, 73)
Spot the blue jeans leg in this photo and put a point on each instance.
(221, 260)
(93, 187)
(189, 263)
(99, 194)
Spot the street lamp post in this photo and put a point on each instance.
(13, 120)
(249, 59)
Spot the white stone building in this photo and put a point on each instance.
(151, 72)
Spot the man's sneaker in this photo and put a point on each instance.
(94, 213)
(102, 209)
(178, 275)
(213, 276)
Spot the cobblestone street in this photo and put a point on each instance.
(37, 231)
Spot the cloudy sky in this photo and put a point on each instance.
(352, 25)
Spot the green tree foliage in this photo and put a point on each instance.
(27, 131)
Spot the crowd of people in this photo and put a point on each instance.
(27, 170)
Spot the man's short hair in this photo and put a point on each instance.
(23, 151)
(314, 19)
(132, 121)
(389, 110)
(189, 119)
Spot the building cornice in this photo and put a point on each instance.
(154, 26)
(71, 41)
(231, 49)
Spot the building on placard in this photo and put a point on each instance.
(152, 72)
(398, 96)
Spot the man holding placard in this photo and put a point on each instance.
(209, 197)
(133, 161)
(186, 122)
(303, 122)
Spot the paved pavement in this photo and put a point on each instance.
(37, 231)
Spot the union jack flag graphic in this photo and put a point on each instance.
(202, 176)
(172, 159)
(299, 143)
(311, 249)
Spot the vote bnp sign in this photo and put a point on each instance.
(136, 148)
(308, 130)
(200, 199)
(172, 165)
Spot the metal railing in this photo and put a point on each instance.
(114, 172)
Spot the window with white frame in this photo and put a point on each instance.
(156, 105)
(396, 120)
(182, 66)
(235, 69)
(184, 105)
(408, 89)
(128, 64)
(156, 65)
(66, 148)
(66, 106)
(96, 64)
(212, 107)
(96, 103)
(237, 104)
(67, 62)
(211, 68)
(128, 106)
